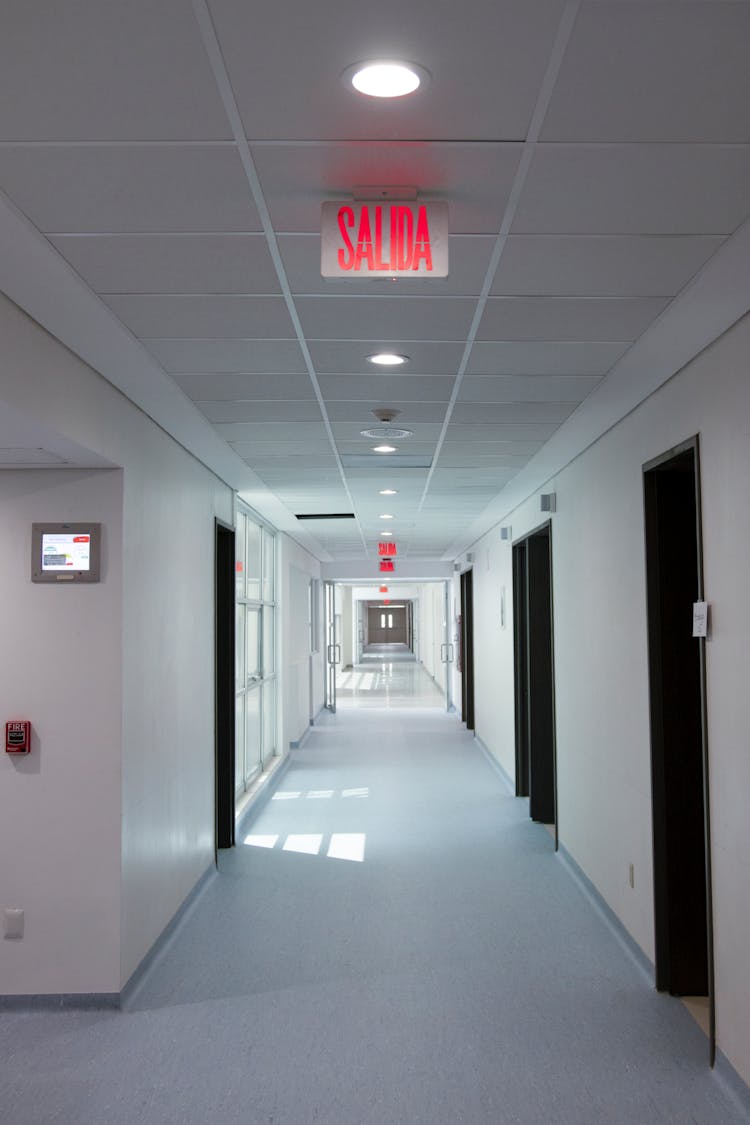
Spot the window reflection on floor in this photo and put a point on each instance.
(388, 684)
(340, 845)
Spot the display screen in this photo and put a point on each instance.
(66, 551)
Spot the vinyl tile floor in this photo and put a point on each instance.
(391, 942)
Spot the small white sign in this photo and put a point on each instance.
(394, 238)
(700, 619)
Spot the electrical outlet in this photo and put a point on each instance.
(631, 875)
(13, 922)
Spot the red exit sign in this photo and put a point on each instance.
(384, 239)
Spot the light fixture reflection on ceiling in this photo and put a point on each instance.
(385, 78)
(384, 449)
(388, 359)
(388, 492)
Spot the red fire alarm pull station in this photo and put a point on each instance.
(17, 737)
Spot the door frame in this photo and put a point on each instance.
(691, 445)
(332, 650)
(224, 685)
(521, 661)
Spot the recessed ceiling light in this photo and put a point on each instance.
(388, 492)
(384, 449)
(386, 516)
(388, 359)
(385, 78)
(386, 533)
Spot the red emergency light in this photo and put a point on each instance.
(383, 590)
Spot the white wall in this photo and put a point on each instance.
(163, 701)
(603, 741)
(60, 668)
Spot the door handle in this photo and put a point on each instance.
(337, 659)
(450, 653)
(444, 653)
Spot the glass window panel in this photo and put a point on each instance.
(239, 646)
(239, 744)
(269, 572)
(269, 720)
(239, 556)
(252, 647)
(269, 639)
(252, 567)
(252, 734)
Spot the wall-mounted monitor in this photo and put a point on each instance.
(65, 552)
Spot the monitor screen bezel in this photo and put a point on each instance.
(67, 577)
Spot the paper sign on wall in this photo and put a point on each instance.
(700, 619)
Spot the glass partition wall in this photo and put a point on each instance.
(255, 659)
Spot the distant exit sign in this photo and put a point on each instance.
(366, 238)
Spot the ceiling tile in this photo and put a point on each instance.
(385, 390)
(227, 356)
(262, 412)
(474, 179)
(508, 45)
(481, 414)
(155, 315)
(568, 318)
(93, 71)
(526, 388)
(635, 189)
(405, 318)
(113, 189)
(600, 266)
(532, 357)
(345, 357)
(308, 434)
(176, 263)
(205, 388)
(480, 437)
(693, 74)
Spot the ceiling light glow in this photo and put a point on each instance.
(385, 78)
(388, 359)
(385, 516)
(388, 492)
(386, 533)
(384, 449)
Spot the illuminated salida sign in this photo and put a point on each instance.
(369, 238)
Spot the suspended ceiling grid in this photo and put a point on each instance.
(595, 158)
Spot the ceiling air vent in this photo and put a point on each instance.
(324, 516)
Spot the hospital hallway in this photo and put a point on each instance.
(391, 942)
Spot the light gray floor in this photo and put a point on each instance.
(395, 944)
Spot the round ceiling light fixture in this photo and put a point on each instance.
(384, 449)
(386, 516)
(385, 78)
(388, 492)
(390, 433)
(386, 533)
(388, 359)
